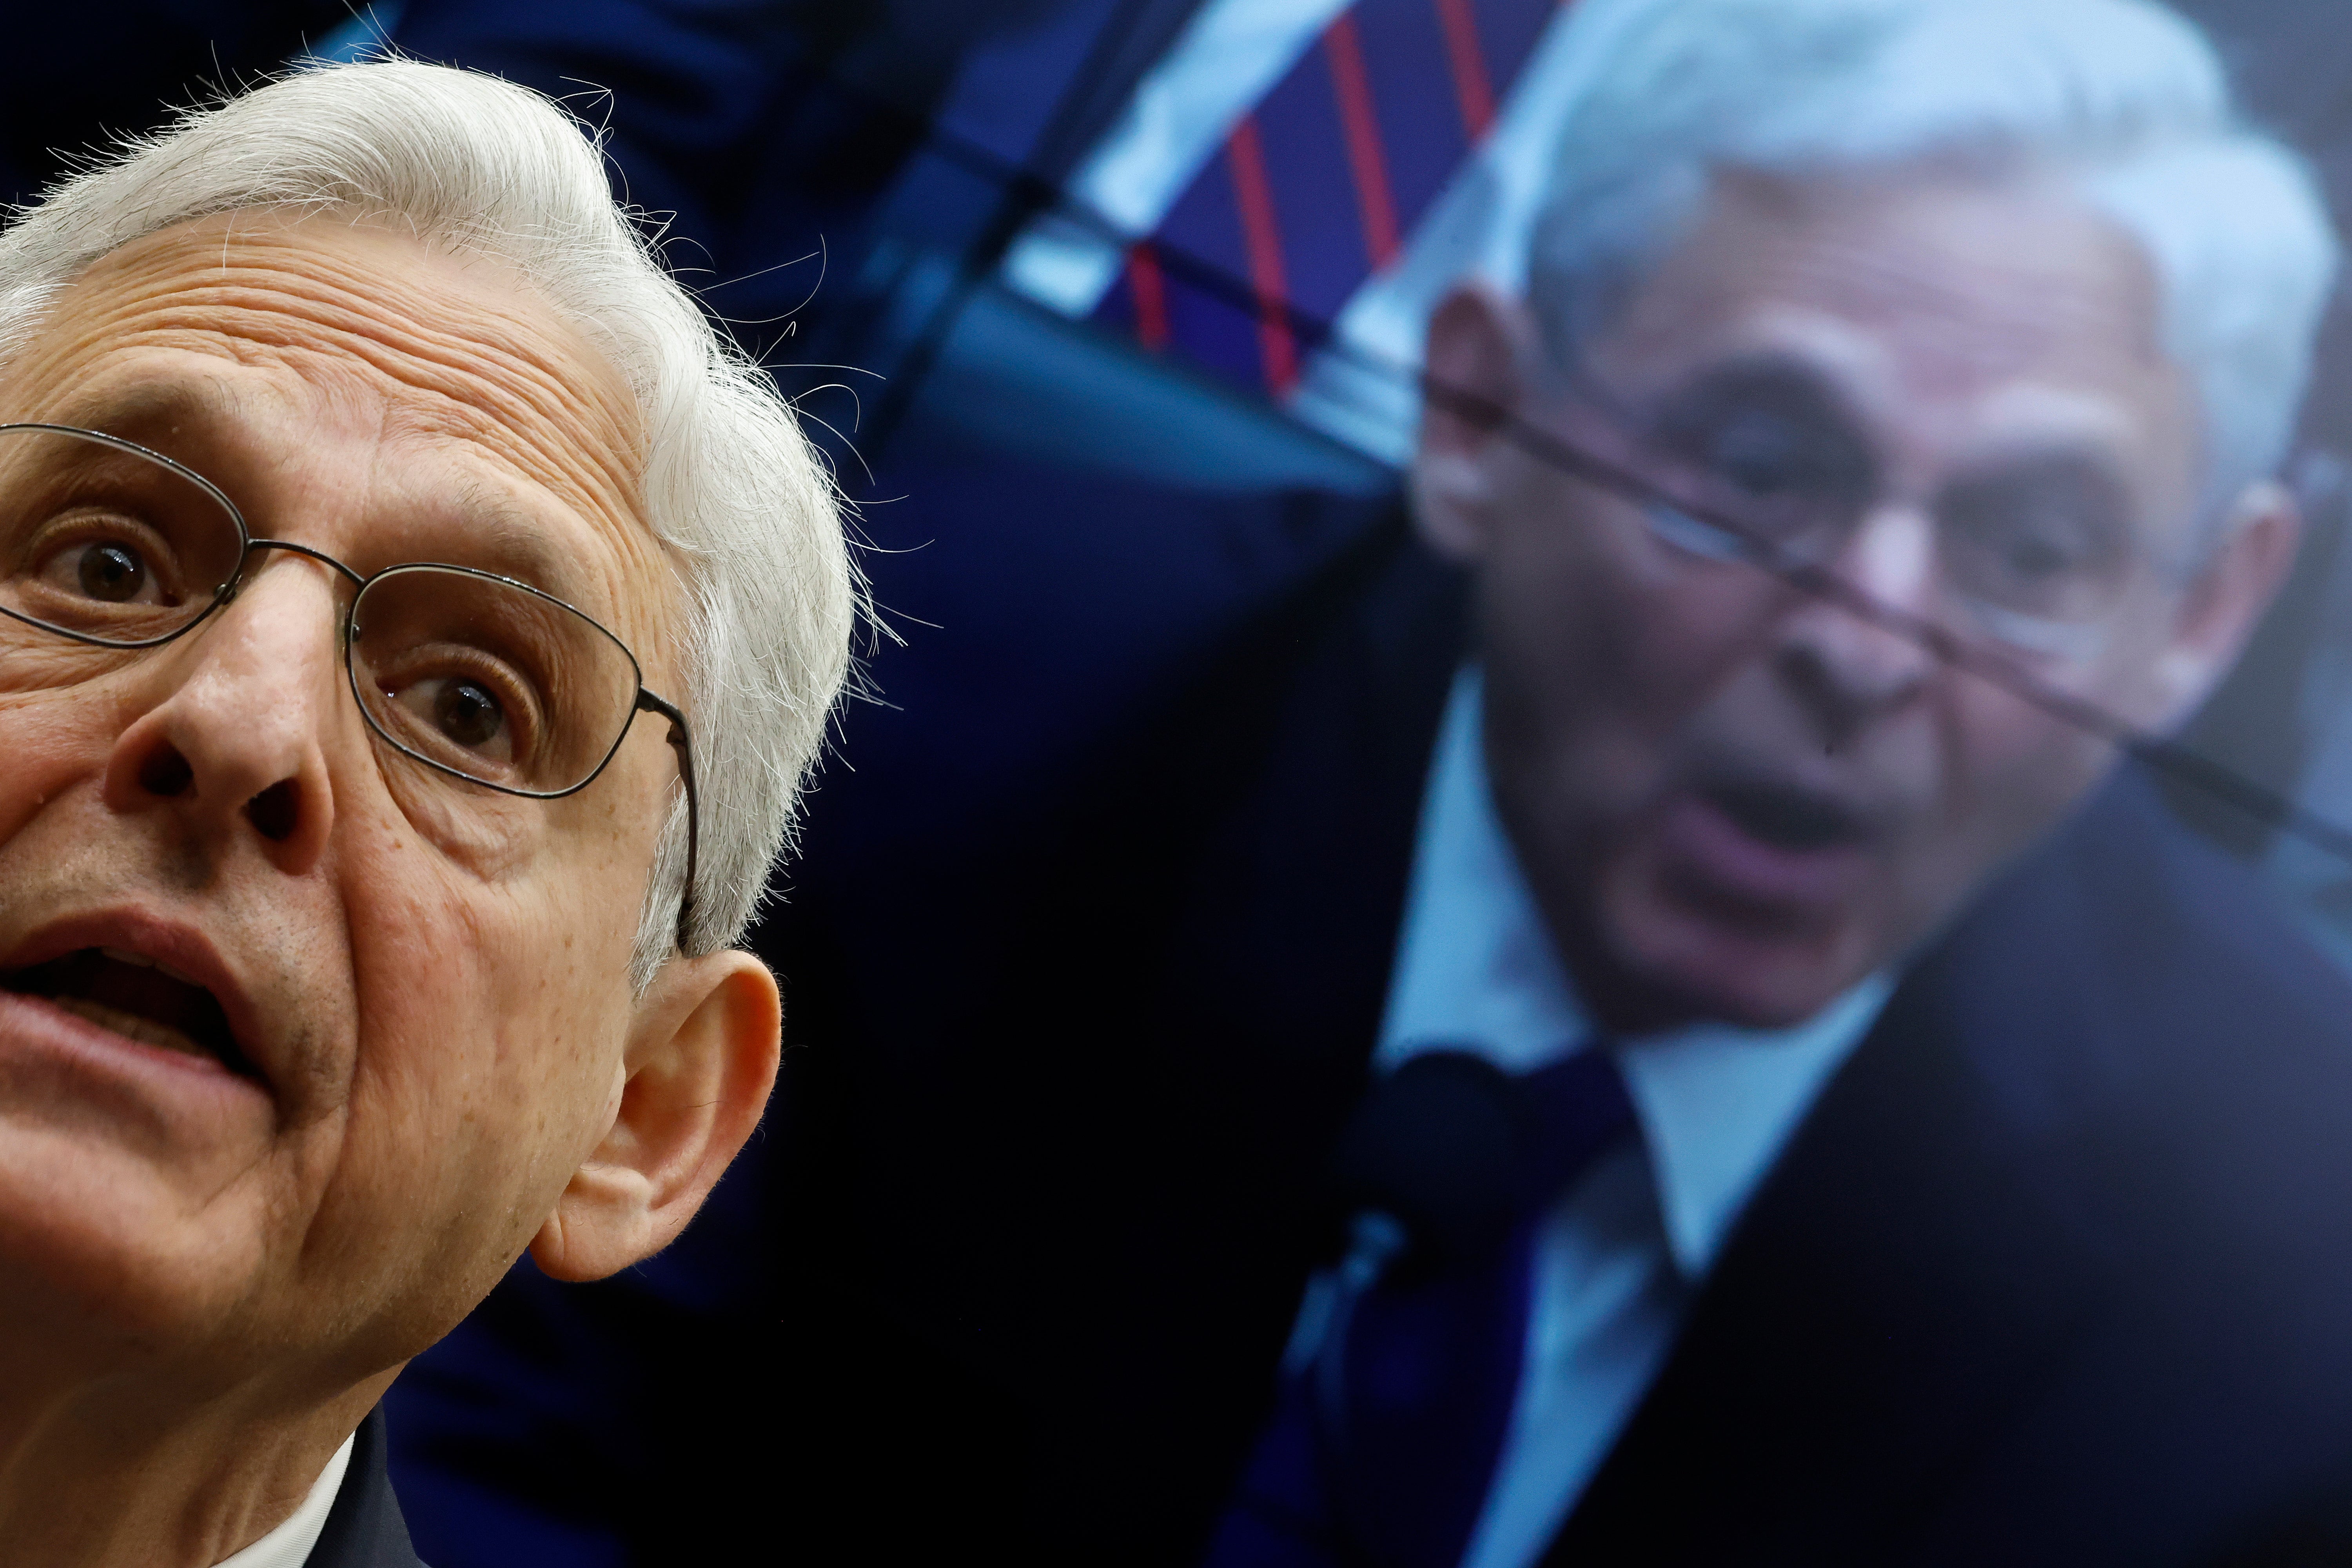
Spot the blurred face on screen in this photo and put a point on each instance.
(1734, 798)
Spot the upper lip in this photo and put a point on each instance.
(182, 951)
(1788, 814)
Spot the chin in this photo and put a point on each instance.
(1686, 964)
(99, 1258)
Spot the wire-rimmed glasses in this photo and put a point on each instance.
(481, 678)
(2040, 555)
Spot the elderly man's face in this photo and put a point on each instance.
(427, 981)
(1735, 800)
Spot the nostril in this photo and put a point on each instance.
(273, 812)
(165, 773)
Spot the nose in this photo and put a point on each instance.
(1846, 672)
(235, 746)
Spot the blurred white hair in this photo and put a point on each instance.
(479, 166)
(2124, 97)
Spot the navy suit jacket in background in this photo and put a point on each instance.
(2059, 1270)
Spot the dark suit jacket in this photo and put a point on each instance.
(364, 1529)
(2060, 1267)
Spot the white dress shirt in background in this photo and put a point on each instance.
(1221, 65)
(1228, 56)
(288, 1545)
(1619, 1259)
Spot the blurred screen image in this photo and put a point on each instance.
(1600, 809)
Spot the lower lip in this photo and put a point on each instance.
(38, 1037)
(1699, 837)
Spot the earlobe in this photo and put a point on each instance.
(1476, 344)
(696, 1077)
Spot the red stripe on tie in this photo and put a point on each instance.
(1150, 288)
(1471, 84)
(1366, 160)
(1253, 195)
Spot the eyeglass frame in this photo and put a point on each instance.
(1669, 518)
(680, 737)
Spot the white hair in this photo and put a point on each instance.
(2123, 96)
(479, 166)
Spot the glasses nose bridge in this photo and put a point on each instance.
(242, 583)
(246, 570)
(245, 580)
(254, 547)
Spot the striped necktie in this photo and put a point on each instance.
(1384, 1440)
(1319, 187)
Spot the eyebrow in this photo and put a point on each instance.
(151, 412)
(493, 532)
(1799, 391)
(475, 525)
(2086, 471)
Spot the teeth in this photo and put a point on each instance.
(144, 1030)
(142, 962)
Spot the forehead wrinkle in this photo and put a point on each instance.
(506, 536)
(1976, 281)
(1956, 341)
(475, 353)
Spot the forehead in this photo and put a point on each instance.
(1947, 305)
(347, 378)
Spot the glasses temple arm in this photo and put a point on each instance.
(682, 742)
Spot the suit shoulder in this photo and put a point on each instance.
(2141, 1001)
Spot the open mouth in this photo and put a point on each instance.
(135, 998)
(1787, 817)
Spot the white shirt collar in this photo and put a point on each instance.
(1476, 971)
(288, 1545)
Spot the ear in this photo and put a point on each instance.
(700, 1061)
(2224, 604)
(1478, 343)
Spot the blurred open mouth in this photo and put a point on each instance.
(1786, 818)
(137, 999)
(1766, 849)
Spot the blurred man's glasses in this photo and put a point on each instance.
(478, 677)
(2040, 555)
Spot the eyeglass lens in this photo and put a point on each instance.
(2037, 550)
(476, 674)
(2033, 578)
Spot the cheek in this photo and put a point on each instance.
(35, 662)
(488, 1038)
(490, 961)
(1606, 643)
(2013, 772)
(482, 837)
(51, 743)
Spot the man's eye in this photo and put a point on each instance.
(2050, 541)
(468, 714)
(2030, 556)
(1787, 476)
(2043, 552)
(461, 711)
(113, 571)
(1763, 457)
